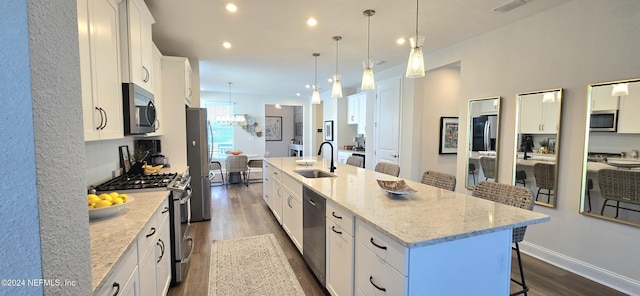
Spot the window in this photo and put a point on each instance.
(221, 136)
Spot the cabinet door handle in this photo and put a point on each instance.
(334, 230)
(376, 286)
(106, 118)
(166, 209)
(117, 286)
(190, 92)
(289, 201)
(278, 191)
(153, 231)
(160, 243)
(101, 118)
(334, 215)
(378, 246)
(266, 195)
(146, 71)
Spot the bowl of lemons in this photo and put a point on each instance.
(106, 204)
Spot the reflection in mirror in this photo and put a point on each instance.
(482, 153)
(538, 143)
(611, 172)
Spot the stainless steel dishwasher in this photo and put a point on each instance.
(313, 232)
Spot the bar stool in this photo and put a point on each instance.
(255, 164)
(521, 177)
(545, 174)
(354, 161)
(488, 165)
(472, 172)
(439, 179)
(388, 168)
(215, 165)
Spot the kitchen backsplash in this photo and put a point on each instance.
(608, 142)
(103, 158)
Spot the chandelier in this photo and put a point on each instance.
(228, 119)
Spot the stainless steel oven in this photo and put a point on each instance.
(181, 240)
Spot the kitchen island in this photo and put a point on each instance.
(434, 241)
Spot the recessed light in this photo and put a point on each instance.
(298, 94)
(312, 22)
(329, 80)
(400, 41)
(231, 7)
(307, 86)
(226, 45)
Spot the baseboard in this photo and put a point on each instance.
(592, 272)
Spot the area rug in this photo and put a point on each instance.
(253, 265)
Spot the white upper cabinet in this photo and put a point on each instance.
(157, 91)
(137, 46)
(628, 120)
(98, 36)
(357, 110)
(538, 117)
(489, 107)
(602, 100)
(352, 109)
(187, 83)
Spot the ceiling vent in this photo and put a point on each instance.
(509, 5)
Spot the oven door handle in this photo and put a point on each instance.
(186, 260)
(187, 197)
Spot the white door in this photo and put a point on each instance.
(387, 126)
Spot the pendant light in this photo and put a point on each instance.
(415, 65)
(229, 119)
(315, 96)
(336, 91)
(620, 89)
(368, 82)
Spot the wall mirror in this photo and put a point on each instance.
(538, 144)
(611, 170)
(482, 152)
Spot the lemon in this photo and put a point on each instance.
(91, 204)
(105, 196)
(124, 197)
(93, 200)
(90, 196)
(117, 201)
(102, 204)
(113, 194)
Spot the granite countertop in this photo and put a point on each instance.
(112, 237)
(428, 217)
(362, 152)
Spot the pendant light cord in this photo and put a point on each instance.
(337, 40)
(417, 18)
(368, 37)
(316, 77)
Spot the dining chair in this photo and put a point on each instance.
(439, 179)
(488, 165)
(213, 166)
(545, 174)
(521, 177)
(354, 161)
(388, 168)
(472, 172)
(620, 186)
(515, 196)
(236, 164)
(255, 164)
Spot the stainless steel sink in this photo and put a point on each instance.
(314, 174)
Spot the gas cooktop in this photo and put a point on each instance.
(139, 181)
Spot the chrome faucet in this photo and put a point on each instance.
(332, 169)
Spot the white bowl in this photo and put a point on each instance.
(113, 210)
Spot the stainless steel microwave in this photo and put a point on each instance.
(604, 121)
(139, 110)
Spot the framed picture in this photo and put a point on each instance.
(328, 130)
(273, 128)
(125, 158)
(552, 145)
(448, 135)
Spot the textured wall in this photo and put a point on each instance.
(20, 244)
(59, 150)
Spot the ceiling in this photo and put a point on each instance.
(272, 46)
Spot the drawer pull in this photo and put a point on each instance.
(117, 286)
(378, 246)
(166, 209)
(153, 231)
(160, 243)
(334, 215)
(334, 230)
(376, 286)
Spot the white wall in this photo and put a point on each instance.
(570, 46)
(45, 219)
(440, 97)
(281, 148)
(254, 105)
(336, 109)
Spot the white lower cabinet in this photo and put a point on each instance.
(374, 276)
(154, 249)
(340, 263)
(292, 209)
(277, 194)
(266, 184)
(124, 279)
(163, 259)
(147, 268)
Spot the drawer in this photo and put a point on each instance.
(383, 246)
(276, 173)
(148, 233)
(163, 213)
(122, 271)
(373, 276)
(340, 217)
(292, 184)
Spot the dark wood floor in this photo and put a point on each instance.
(239, 211)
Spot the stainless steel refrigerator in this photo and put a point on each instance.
(198, 161)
